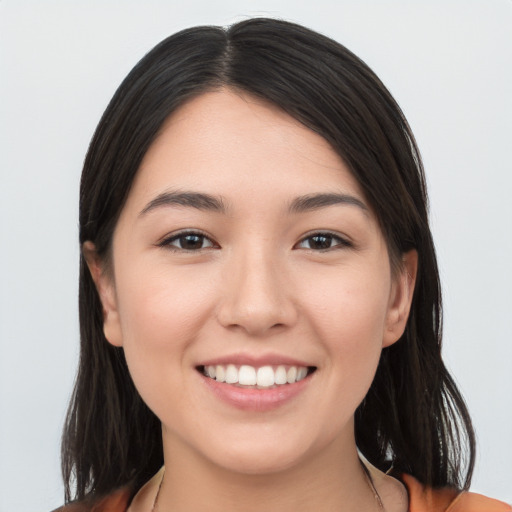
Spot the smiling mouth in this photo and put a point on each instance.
(263, 377)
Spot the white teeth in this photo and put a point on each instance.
(231, 374)
(247, 376)
(301, 373)
(262, 377)
(265, 376)
(220, 373)
(291, 375)
(280, 375)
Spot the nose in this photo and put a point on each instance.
(257, 297)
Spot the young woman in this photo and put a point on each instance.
(259, 297)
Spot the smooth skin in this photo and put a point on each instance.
(246, 275)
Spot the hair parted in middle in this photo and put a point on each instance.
(413, 416)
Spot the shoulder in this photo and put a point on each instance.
(422, 499)
(473, 502)
(118, 501)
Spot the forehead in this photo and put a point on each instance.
(229, 143)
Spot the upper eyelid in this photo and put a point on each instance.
(334, 234)
(345, 241)
(173, 236)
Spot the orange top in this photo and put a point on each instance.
(421, 499)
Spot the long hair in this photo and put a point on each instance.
(413, 417)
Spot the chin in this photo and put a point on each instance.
(258, 464)
(261, 455)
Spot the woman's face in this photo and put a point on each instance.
(247, 252)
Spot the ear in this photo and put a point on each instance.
(106, 290)
(400, 300)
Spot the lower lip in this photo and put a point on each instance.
(252, 399)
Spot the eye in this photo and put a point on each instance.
(187, 241)
(323, 242)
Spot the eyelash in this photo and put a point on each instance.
(167, 242)
(342, 243)
(331, 237)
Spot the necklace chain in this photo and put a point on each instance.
(369, 481)
(371, 484)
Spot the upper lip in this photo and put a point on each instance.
(255, 361)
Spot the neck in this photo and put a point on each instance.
(331, 480)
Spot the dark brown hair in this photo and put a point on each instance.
(413, 416)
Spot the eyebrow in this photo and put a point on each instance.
(196, 200)
(310, 202)
(207, 202)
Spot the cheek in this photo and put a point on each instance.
(161, 307)
(348, 314)
(161, 315)
(349, 302)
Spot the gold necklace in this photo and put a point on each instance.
(369, 481)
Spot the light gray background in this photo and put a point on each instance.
(448, 63)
